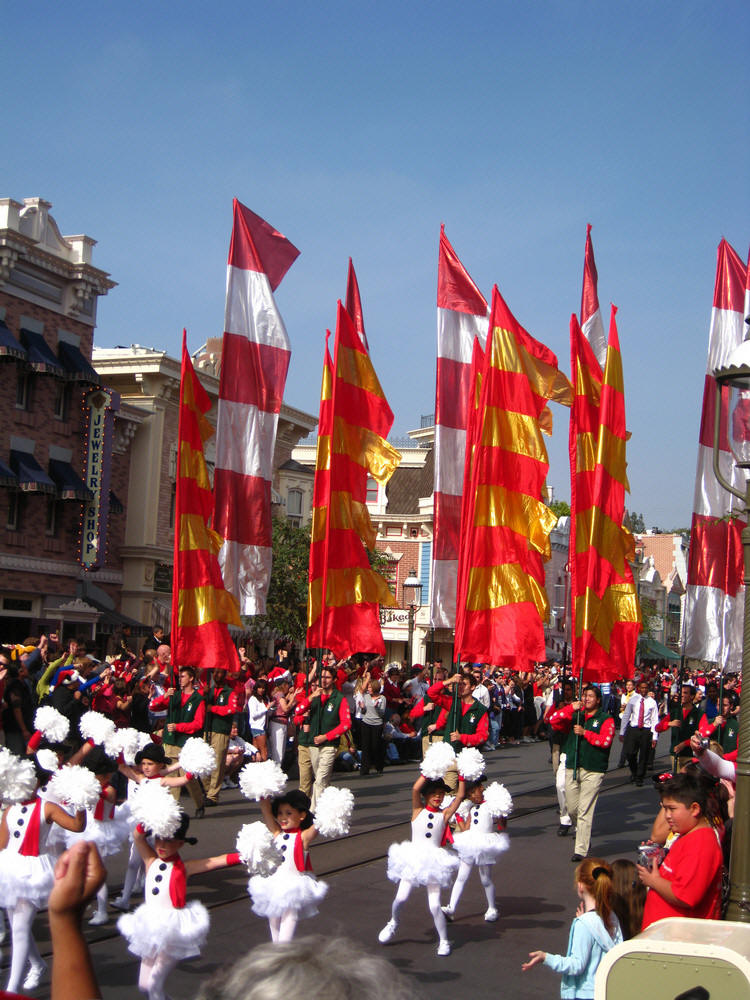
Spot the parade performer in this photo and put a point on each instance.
(104, 827)
(480, 840)
(594, 931)
(423, 860)
(27, 861)
(151, 764)
(292, 891)
(165, 928)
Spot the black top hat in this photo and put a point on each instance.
(154, 752)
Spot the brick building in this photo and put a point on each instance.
(49, 291)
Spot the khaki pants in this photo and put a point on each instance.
(580, 797)
(306, 775)
(196, 794)
(321, 759)
(220, 742)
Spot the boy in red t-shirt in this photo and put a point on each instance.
(688, 881)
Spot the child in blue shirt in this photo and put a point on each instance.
(593, 932)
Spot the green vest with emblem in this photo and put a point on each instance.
(218, 723)
(467, 723)
(687, 725)
(177, 712)
(590, 758)
(728, 735)
(325, 717)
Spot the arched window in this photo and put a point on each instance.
(294, 507)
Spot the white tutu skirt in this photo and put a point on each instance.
(108, 835)
(23, 877)
(421, 864)
(286, 890)
(480, 848)
(161, 929)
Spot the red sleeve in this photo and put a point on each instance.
(705, 727)
(561, 720)
(345, 722)
(662, 725)
(196, 725)
(418, 710)
(436, 693)
(604, 737)
(161, 701)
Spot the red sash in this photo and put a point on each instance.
(30, 845)
(177, 882)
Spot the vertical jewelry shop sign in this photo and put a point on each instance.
(102, 405)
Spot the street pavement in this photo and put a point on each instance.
(534, 883)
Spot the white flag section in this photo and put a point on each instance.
(255, 359)
(592, 325)
(461, 317)
(712, 628)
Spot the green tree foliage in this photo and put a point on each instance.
(286, 605)
(560, 507)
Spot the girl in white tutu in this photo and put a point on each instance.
(151, 764)
(27, 870)
(480, 841)
(423, 860)
(107, 828)
(291, 891)
(165, 928)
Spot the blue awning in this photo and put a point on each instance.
(7, 476)
(69, 484)
(76, 366)
(41, 357)
(9, 346)
(31, 477)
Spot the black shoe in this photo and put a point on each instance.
(562, 830)
(577, 857)
(200, 812)
(210, 803)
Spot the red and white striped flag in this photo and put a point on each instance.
(254, 362)
(462, 316)
(714, 605)
(592, 325)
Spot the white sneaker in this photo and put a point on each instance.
(448, 911)
(444, 948)
(387, 932)
(491, 915)
(34, 976)
(98, 919)
(121, 904)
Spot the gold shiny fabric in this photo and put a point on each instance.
(599, 616)
(498, 586)
(497, 507)
(200, 605)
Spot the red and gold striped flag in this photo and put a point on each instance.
(606, 612)
(505, 523)
(201, 607)
(345, 593)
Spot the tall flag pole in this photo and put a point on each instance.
(201, 607)
(345, 593)
(606, 612)
(255, 358)
(462, 317)
(506, 524)
(592, 324)
(714, 616)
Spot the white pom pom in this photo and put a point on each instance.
(470, 763)
(75, 786)
(438, 759)
(333, 812)
(96, 727)
(464, 809)
(197, 757)
(51, 724)
(497, 799)
(156, 809)
(264, 780)
(257, 848)
(17, 777)
(47, 759)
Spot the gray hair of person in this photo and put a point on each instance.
(313, 966)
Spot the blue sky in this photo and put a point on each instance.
(356, 129)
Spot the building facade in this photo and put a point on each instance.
(60, 479)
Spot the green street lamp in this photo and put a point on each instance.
(412, 591)
(735, 376)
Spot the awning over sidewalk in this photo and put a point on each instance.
(652, 649)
